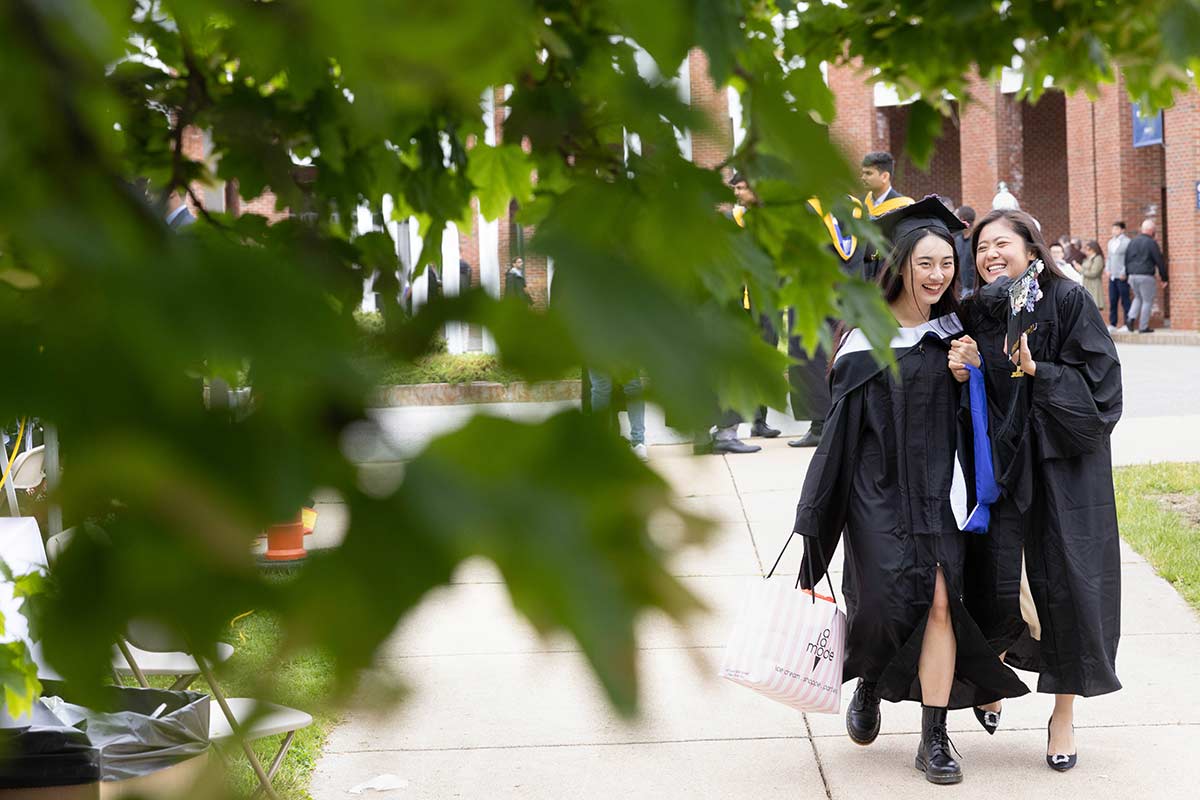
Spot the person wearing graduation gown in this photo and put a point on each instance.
(893, 472)
(1050, 424)
(807, 379)
(876, 175)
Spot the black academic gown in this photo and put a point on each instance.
(808, 378)
(884, 472)
(1050, 438)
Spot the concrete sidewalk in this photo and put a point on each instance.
(496, 712)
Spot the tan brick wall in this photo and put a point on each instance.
(854, 127)
(709, 148)
(943, 176)
(1182, 168)
(978, 146)
(1045, 173)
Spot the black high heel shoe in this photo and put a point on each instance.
(990, 720)
(1060, 762)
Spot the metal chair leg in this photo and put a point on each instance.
(183, 682)
(219, 696)
(133, 665)
(277, 761)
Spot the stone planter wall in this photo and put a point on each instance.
(447, 394)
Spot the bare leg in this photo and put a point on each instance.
(1062, 734)
(936, 666)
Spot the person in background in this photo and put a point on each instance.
(1056, 251)
(464, 276)
(1142, 258)
(962, 246)
(635, 407)
(1093, 272)
(808, 376)
(1118, 281)
(1075, 254)
(876, 175)
(514, 281)
(747, 199)
(178, 214)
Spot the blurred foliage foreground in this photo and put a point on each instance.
(109, 322)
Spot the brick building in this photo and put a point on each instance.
(1070, 161)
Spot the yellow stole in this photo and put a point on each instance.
(879, 209)
(835, 234)
(739, 216)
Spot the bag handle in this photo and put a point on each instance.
(811, 582)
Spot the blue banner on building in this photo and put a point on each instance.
(1146, 130)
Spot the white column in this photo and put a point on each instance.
(456, 332)
(364, 224)
(735, 113)
(420, 293)
(489, 229)
(683, 82)
(549, 279)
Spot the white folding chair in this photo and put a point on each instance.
(128, 659)
(28, 470)
(242, 718)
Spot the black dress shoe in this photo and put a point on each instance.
(764, 430)
(1059, 762)
(862, 717)
(734, 446)
(990, 720)
(810, 439)
(933, 754)
(1146, 330)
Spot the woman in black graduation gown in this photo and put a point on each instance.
(1050, 430)
(886, 471)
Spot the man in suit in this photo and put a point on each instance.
(876, 175)
(178, 214)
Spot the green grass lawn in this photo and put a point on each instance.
(303, 682)
(1159, 510)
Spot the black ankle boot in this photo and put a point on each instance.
(862, 717)
(933, 756)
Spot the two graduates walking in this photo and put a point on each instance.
(933, 558)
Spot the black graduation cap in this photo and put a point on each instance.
(927, 213)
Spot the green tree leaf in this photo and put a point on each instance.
(500, 174)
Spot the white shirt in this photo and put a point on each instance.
(1069, 271)
(1116, 256)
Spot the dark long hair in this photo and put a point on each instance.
(891, 280)
(1023, 225)
(891, 277)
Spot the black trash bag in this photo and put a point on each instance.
(46, 753)
(132, 742)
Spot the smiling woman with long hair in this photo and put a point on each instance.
(885, 472)
(1050, 427)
